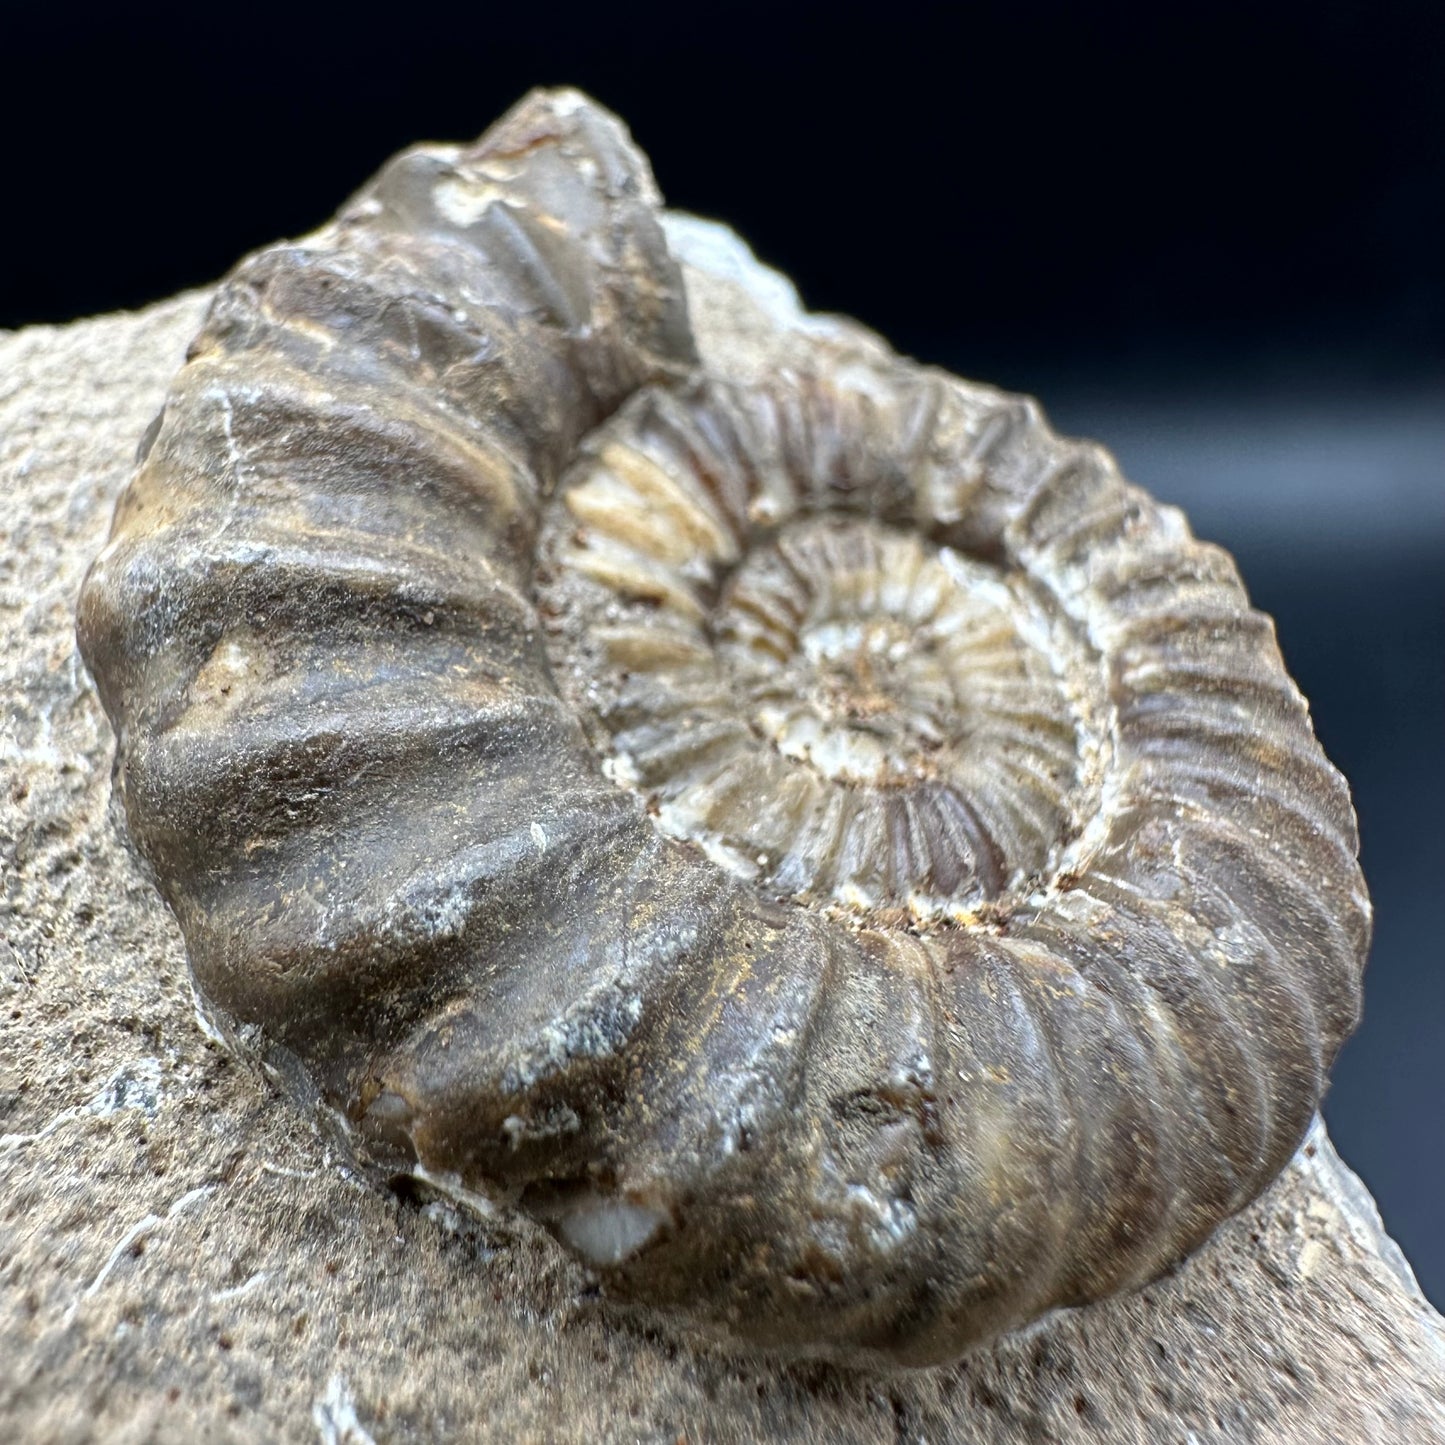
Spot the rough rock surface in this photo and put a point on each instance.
(182, 1260)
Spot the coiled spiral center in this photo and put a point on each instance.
(828, 637)
(832, 705)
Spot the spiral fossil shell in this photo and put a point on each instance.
(847, 862)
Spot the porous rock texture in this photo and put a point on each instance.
(183, 1259)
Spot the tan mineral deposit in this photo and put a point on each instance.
(590, 856)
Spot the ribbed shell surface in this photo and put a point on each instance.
(846, 861)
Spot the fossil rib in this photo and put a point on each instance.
(839, 855)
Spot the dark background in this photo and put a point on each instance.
(1211, 236)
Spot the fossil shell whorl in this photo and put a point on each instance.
(847, 861)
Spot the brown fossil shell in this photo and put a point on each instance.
(850, 864)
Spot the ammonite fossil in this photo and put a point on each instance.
(847, 862)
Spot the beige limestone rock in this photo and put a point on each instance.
(182, 1259)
